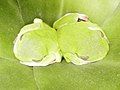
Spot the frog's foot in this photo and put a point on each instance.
(49, 59)
(75, 59)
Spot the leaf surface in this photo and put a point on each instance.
(102, 75)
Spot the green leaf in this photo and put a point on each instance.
(112, 29)
(10, 23)
(47, 10)
(14, 76)
(102, 75)
(96, 76)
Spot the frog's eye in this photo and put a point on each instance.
(82, 17)
(79, 20)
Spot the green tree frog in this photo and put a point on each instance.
(36, 45)
(80, 40)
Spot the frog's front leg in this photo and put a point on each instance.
(75, 59)
(49, 59)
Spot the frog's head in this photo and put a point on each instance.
(70, 18)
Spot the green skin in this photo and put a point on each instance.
(36, 45)
(80, 42)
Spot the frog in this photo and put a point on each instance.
(36, 45)
(81, 41)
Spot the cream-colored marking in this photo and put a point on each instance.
(92, 28)
(37, 20)
(80, 62)
(50, 59)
